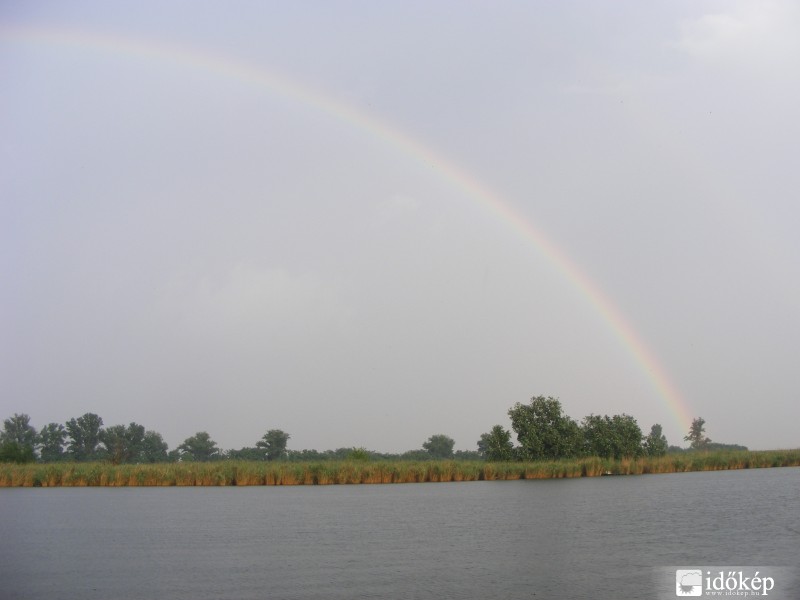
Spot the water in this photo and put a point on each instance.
(583, 538)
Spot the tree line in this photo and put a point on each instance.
(84, 439)
(543, 432)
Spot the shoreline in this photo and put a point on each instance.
(245, 473)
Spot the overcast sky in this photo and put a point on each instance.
(207, 221)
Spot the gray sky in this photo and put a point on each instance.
(187, 244)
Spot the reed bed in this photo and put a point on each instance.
(224, 473)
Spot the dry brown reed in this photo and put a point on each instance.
(245, 473)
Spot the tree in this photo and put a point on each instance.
(200, 447)
(18, 432)
(695, 437)
(496, 445)
(627, 436)
(726, 447)
(471, 455)
(153, 448)
(274, 442)
(304, 455)
(84, 437)
(359, 453)
(544, 431)
(655, 444)
(14, 452)
(416, 455)
(245, 454)
(51, 441)
(597, 436)
(612, 437)
(123, 444)
(439, 446)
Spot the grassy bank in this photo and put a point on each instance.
(352, 472)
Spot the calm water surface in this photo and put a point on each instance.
(584, 538)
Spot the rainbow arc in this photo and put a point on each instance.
(414, 149)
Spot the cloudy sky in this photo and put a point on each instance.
(366, 223)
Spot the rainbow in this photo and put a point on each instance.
(458, 178)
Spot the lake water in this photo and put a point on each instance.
(581, 538)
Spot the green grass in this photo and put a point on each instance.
(359, 471)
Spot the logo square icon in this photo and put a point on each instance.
(688, 583)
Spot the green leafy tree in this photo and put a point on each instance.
(612, 437)
(51, 442)
(472, 455)
(359, 454)
(123, 444)
(274, 443)
(200, 447)
(307, 455)
(116, 447)
(627, 436)
(13, 452)
(655, 444)
(153, 448)
(544, 431)
(246, 453)
(339, 453)
(696, 436)
(496, 445)
(726, 447)
(597, 436)
(18, 431)
(84, 437)
(416, 455)
(439, 446)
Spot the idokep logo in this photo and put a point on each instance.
(750, 582)
(688, 582)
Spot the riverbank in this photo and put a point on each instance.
(362, 472)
